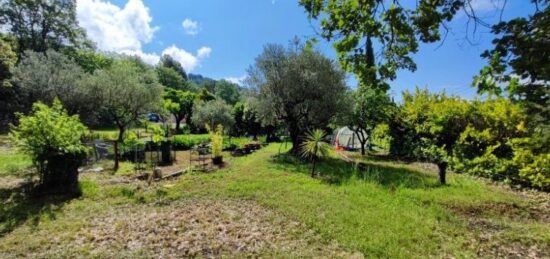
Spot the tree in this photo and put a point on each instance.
(52, 139)
(171, 78)
(227, 91)
(205, 96)
(89, 60)
(125, 91)
(212, 114)
(486, 146)
(45, 76)
(430, 126)
(182, 105)
(246, 120)
(314, 147)
(168, 61)
(395, 27)
(42, 24)
(370, 107)
(8, 59)
(298, 87)
(519, 66)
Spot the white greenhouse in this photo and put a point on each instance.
(346, 138)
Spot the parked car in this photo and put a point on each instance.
(153, 117)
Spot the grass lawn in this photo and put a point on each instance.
(266, 204)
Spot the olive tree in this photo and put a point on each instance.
(45, 76)
(212, 114)
(298, 87)
(52, 139)
(125, 91)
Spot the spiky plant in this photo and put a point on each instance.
(314, 147)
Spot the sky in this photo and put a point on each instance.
(220, 39)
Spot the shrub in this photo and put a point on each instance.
(216, 139)
(186, 142)
(52, 139)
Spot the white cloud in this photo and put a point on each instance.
(114, 28)
(204, 52)
(188, 61)
(236, 80)
(149, 58)
(191, 27)
(125, 30)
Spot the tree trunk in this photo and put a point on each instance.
(178, 124)
(119, 140)
(313, 168)
(442, 166)
(295, 138)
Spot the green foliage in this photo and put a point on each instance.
(381, 137)
(180, 104)
(227, 91)
(247, 120)
(131, 141)
(125, 90)
(299, 88)
(396, 30)
(158, 133)
(39, 25)
(52, 139)
(45, 76)
(171, 78)
(369, 108)
(485, 146)
(185, 142)
(205, 95)
(534, 168)
(89, 60)
(167, 61)
(216, 140)
(429, 125)
(314, 145)
(49, 130)
(8, 59)
(212, 113)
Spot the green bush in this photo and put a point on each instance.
(52, 139)
(186, 142)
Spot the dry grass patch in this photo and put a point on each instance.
(203, 228)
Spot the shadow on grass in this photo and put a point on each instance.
(337, 171)
(19, 205)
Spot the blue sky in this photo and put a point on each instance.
(220, 39)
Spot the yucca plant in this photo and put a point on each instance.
(314, 147)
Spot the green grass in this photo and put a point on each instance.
(13, 163)
(389, 210)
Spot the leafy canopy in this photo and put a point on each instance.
(353, 25)
(298, 87)
(125, 90)
(49, 131)
(211, 114)
(39, 25)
